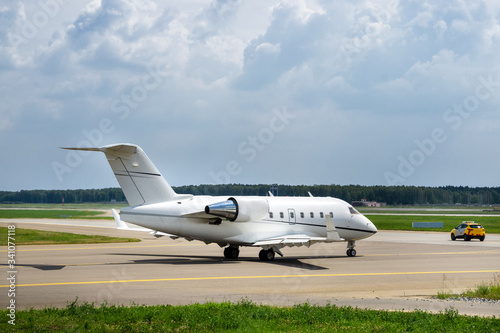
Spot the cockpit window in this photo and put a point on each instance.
(353, 210)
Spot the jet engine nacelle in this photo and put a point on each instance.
(240, 209)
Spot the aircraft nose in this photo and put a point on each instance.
(370, 225)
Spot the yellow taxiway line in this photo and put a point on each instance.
(249, 277)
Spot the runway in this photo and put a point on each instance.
(393, 270)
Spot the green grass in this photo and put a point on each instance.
(444, 295)
(51, 214)
(41, 237)
(403, 222)
(483, 290)
(430, 210)
(80, 206)
(243, 316)
(490, 291)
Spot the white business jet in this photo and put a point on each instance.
(267, 222)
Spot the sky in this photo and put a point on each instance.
(251, 91)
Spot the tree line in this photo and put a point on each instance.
(392, 195)
(70, 196)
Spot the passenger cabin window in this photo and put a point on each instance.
(301, 215)
(331, 215)
(353, 211)
(321, 215)
(292, 215)
(282, 215)
(270, 215)
(312, 215)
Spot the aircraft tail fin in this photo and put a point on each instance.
(138, 177)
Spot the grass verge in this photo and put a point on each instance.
(243, 316)
(79, 206)
(489, 291)
(483, 290)
(403, 222)
(51, 214)
(41, 237)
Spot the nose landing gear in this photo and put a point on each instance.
(351, 252)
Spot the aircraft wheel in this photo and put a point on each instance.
(231, 252)
(351, 252)
(266, 255)
(453, 237)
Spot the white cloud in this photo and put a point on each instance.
(191, 80)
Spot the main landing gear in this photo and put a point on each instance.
(351, 252)
(266, 255)
(231, 252)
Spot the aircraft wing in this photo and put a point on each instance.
(299, 240)
(198, 214)
(120, 225)
(289, 240)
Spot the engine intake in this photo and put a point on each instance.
(240, 209)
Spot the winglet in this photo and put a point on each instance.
(331, 232)
(119, 223)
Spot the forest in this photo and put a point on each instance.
(391, 195)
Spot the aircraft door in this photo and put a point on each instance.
(292, 218)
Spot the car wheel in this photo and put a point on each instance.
(466, 238)
(481, 238)
(453, 237)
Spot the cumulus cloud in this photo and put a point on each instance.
(193, 80)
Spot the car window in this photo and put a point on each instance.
(475, 226)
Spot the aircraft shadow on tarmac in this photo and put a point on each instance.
(42, 267)
(294, 262)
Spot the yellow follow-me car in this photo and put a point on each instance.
(468, 230)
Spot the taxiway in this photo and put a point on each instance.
(393, 270)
